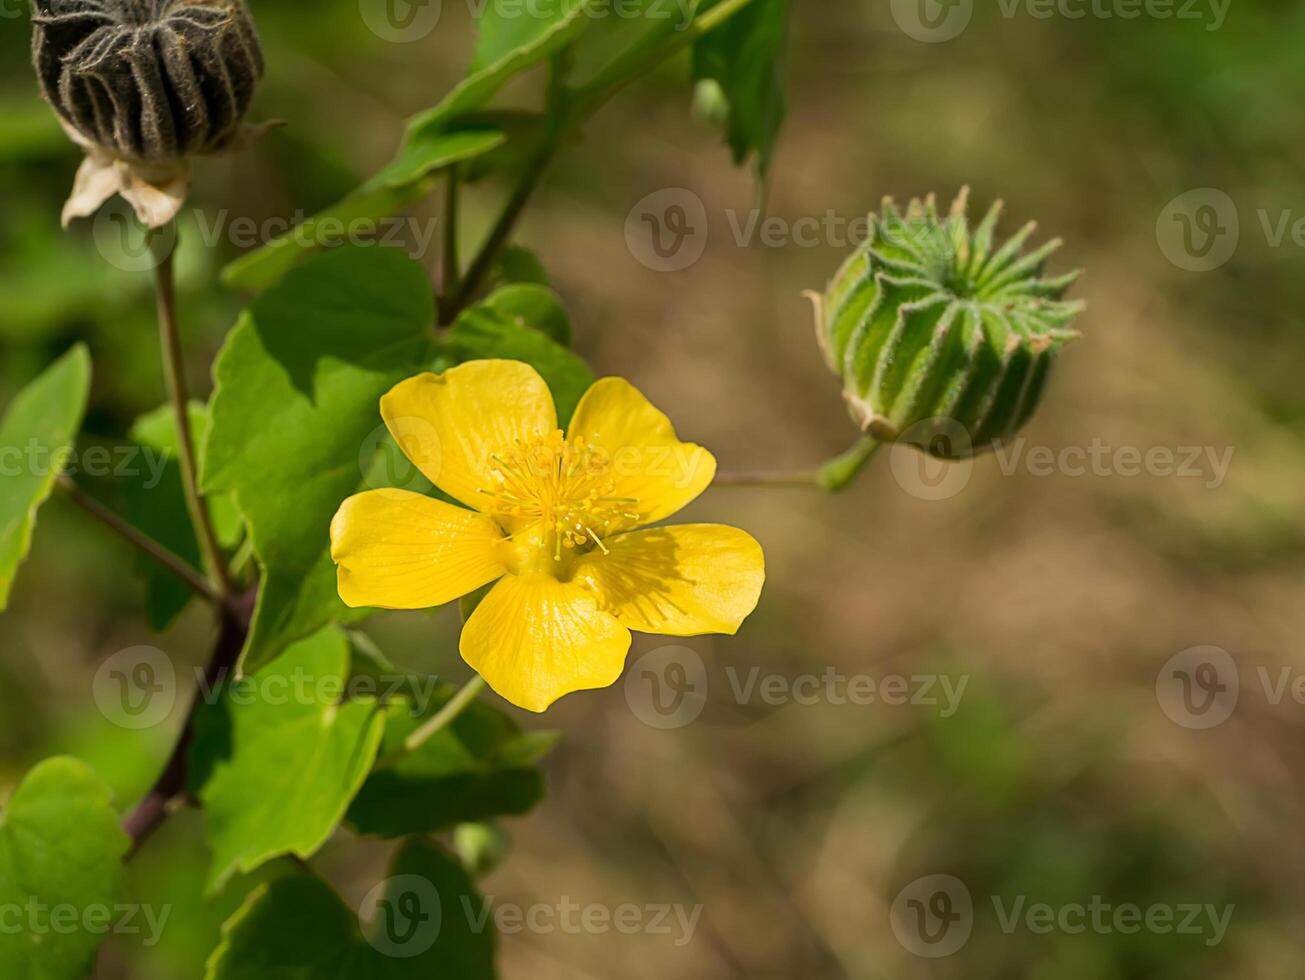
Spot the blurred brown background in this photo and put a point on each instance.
(1070, 769)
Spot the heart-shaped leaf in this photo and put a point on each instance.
(425, 921)
(299, 383)
(61, 872)
(278, 758)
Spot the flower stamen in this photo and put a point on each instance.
(565, 488)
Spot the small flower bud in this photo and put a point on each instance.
(932, 327)
(143, 85)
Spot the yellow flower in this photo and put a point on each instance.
(553, 520)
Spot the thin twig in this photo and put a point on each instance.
(171, 786)
(796, 480)
(164, 248)
(449, 281)
(499, 236)
(170, 561)
(834, 476)
(572, 109)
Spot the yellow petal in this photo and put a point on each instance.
(451, 424)
(535, 639)
(402, 550)
(677, 581)
(649, 463)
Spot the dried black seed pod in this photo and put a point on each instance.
(148, 80)
(143, 85)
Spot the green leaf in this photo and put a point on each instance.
(745, 58)
(500, 328)
(426, 920)
(35, 438)
(421, 157)
(299, 383)
(266, 266)
(480, 767)
(280, 758)
(513, 38)
(155, 502)
(517, 264)
(60, 849)
(534, 306)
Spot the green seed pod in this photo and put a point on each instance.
(943, 340)
(148, 81)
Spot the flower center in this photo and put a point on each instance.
(562, 492)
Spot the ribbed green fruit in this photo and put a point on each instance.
(943, 340)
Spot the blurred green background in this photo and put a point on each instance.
(1058, 598)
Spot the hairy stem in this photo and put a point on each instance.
(141, 542)
(164, 248)
(153, 810)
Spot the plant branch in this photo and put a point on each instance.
(164, 249)
(833, 477)
(569, 110)
(638, 63)
(499, 236)
(153, 810)
(449, 282)
(791, 479)
(170, 561)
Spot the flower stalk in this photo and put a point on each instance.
(163, 247)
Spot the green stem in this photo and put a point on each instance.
(449, 284)
(140, 541)
(498, 237)
(832, 477)
(838, 474)
(571, 110)
(164, 249)
(640, 62)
